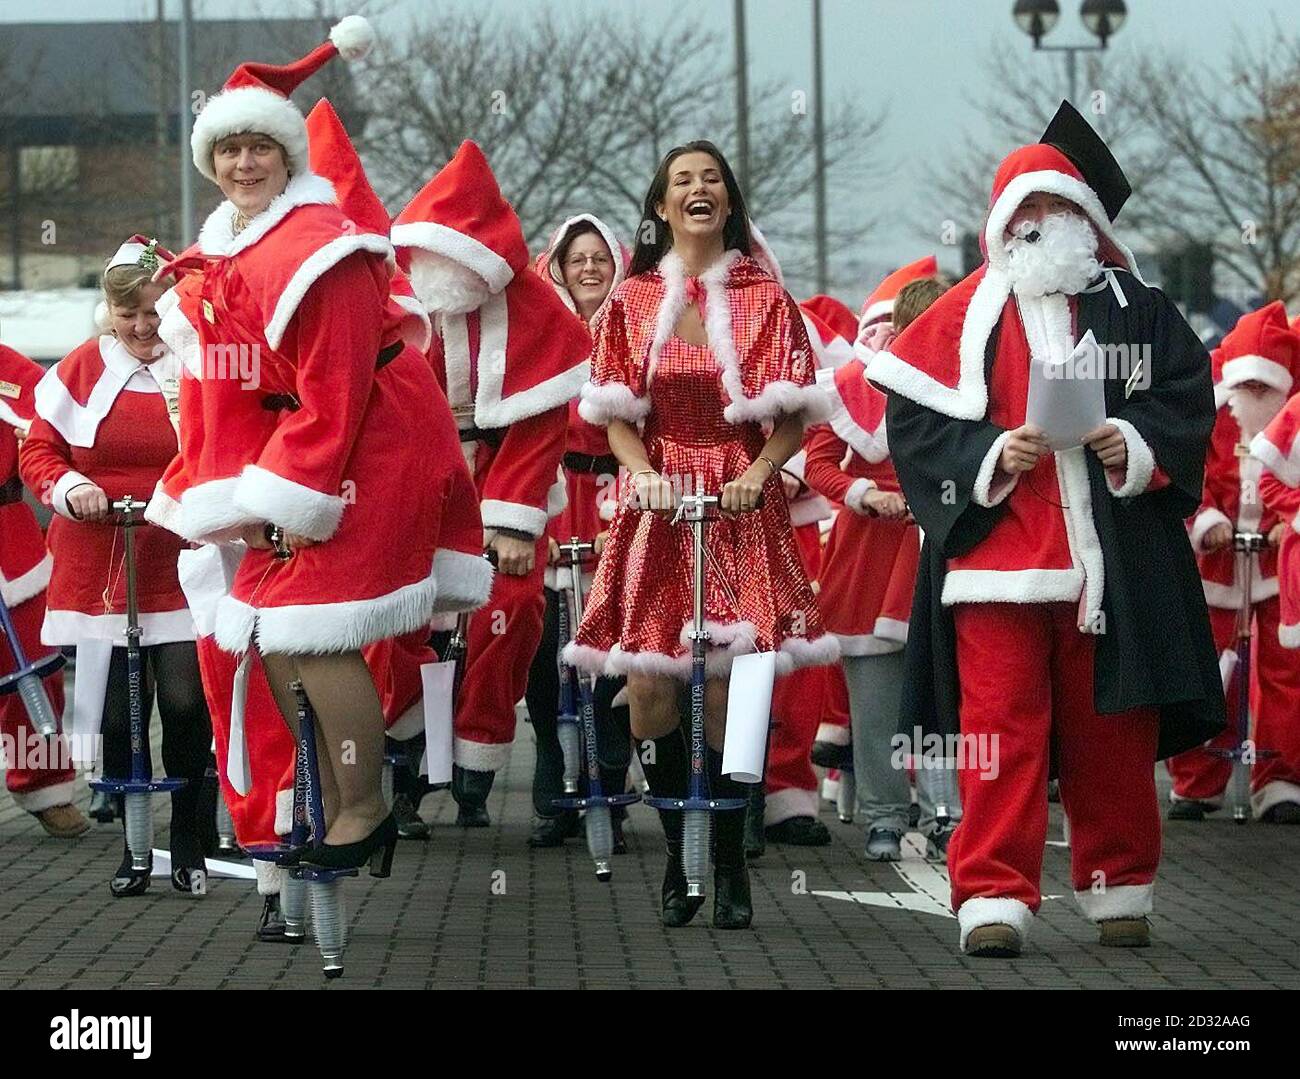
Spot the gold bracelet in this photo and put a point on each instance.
(643, 472)
(771, 464)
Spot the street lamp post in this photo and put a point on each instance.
(1102, 18)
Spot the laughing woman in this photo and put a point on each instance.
(703, 373)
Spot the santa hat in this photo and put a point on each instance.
(938, 361)
(838, 316)
(831, 348)
(256, 98)
(880, 304)
(140, 251)
(462, 215)
(550, 270)
(1262, 347)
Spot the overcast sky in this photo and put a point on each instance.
(924, 59)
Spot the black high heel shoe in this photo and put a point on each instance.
(127, 882)
(377, 848)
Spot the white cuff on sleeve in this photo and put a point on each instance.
(853, 497)
(59, 496)
(1203, 522)
(498, 514)
(991, 486)
(1141, 462)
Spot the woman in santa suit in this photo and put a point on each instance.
(868, 576)
(340, 480)
(42, 788)
(103, 430)
(583, 262)
(703, 373)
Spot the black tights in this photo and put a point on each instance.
(171, 673)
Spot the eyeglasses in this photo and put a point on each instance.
(582, 260)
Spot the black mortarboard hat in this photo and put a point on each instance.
(1070, 133)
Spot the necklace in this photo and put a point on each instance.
(238, 222)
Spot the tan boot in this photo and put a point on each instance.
(1125, 933)
(997, 941)
(63, 822)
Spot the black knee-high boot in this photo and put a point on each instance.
(186, 845)
(733, 907)
(665, 771)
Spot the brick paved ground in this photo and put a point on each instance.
(1228, 915)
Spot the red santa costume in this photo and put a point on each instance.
(1021, 573)
(702, 408)
(343, 460)
(879, 306)
(1260, 348)
(24, 573)
(1275, 781)
(510, 357)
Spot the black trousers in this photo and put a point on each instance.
(613, 734)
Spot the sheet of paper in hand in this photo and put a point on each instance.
(1068, 399)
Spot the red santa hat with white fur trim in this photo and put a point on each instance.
(880, 304)
(256, 98)
(1262, 347)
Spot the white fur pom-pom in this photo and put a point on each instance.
(103, 323)
(353, 36)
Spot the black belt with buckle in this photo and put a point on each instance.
(11, 491)
(274, 402)
(493, 436)
(605, 463)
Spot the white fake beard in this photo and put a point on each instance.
(1253, 413)
(1063, 260)
(445, 286)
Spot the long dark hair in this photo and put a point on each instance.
(654, 237)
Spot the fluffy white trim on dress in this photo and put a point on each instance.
(612, 401)
(158, 627)
(318, 628)
(264, 495)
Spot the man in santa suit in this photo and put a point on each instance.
(509, 356)
(42, 787)
(1256, 365)
(1275, 780)
(1058, 617)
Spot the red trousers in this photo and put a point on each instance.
(1275, 706)
(503, 638)
(1027, 682)
(791, 783)
(40, 787)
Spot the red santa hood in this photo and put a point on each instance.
(831, 347)
(532, 352)
(1278, 445)
(1262, 347)
(880, 304)
(857, 410)
(838, 316)
(332, 156)
(462, 215)
(553, 273)
(938, 361)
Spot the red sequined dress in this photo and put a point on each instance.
(757, 596)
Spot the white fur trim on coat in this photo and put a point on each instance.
(789, 802)
(158, 627)
(983, 493)
(163, 511)
(294, 507)
(208, 512)
(1228, 596)
(1272, 793)
(457, 246)
(283, 811)
(27, 585)
(464, 581)
(480, 756)
(498, 514)
(313, 267)
(305, 188)
(984, 910)
(179, 334)
(1012, 586)
(1288, 636)
(612, 401)
(409, 724)
(794, 652)
(1116, 901)
(17, 422)
(321, 628)
(834, 734)
(872, 446)
(1286, 469)
(853, 497)
(1203, 522)
(1141, 463)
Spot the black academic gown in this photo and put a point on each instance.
(1156, 649)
